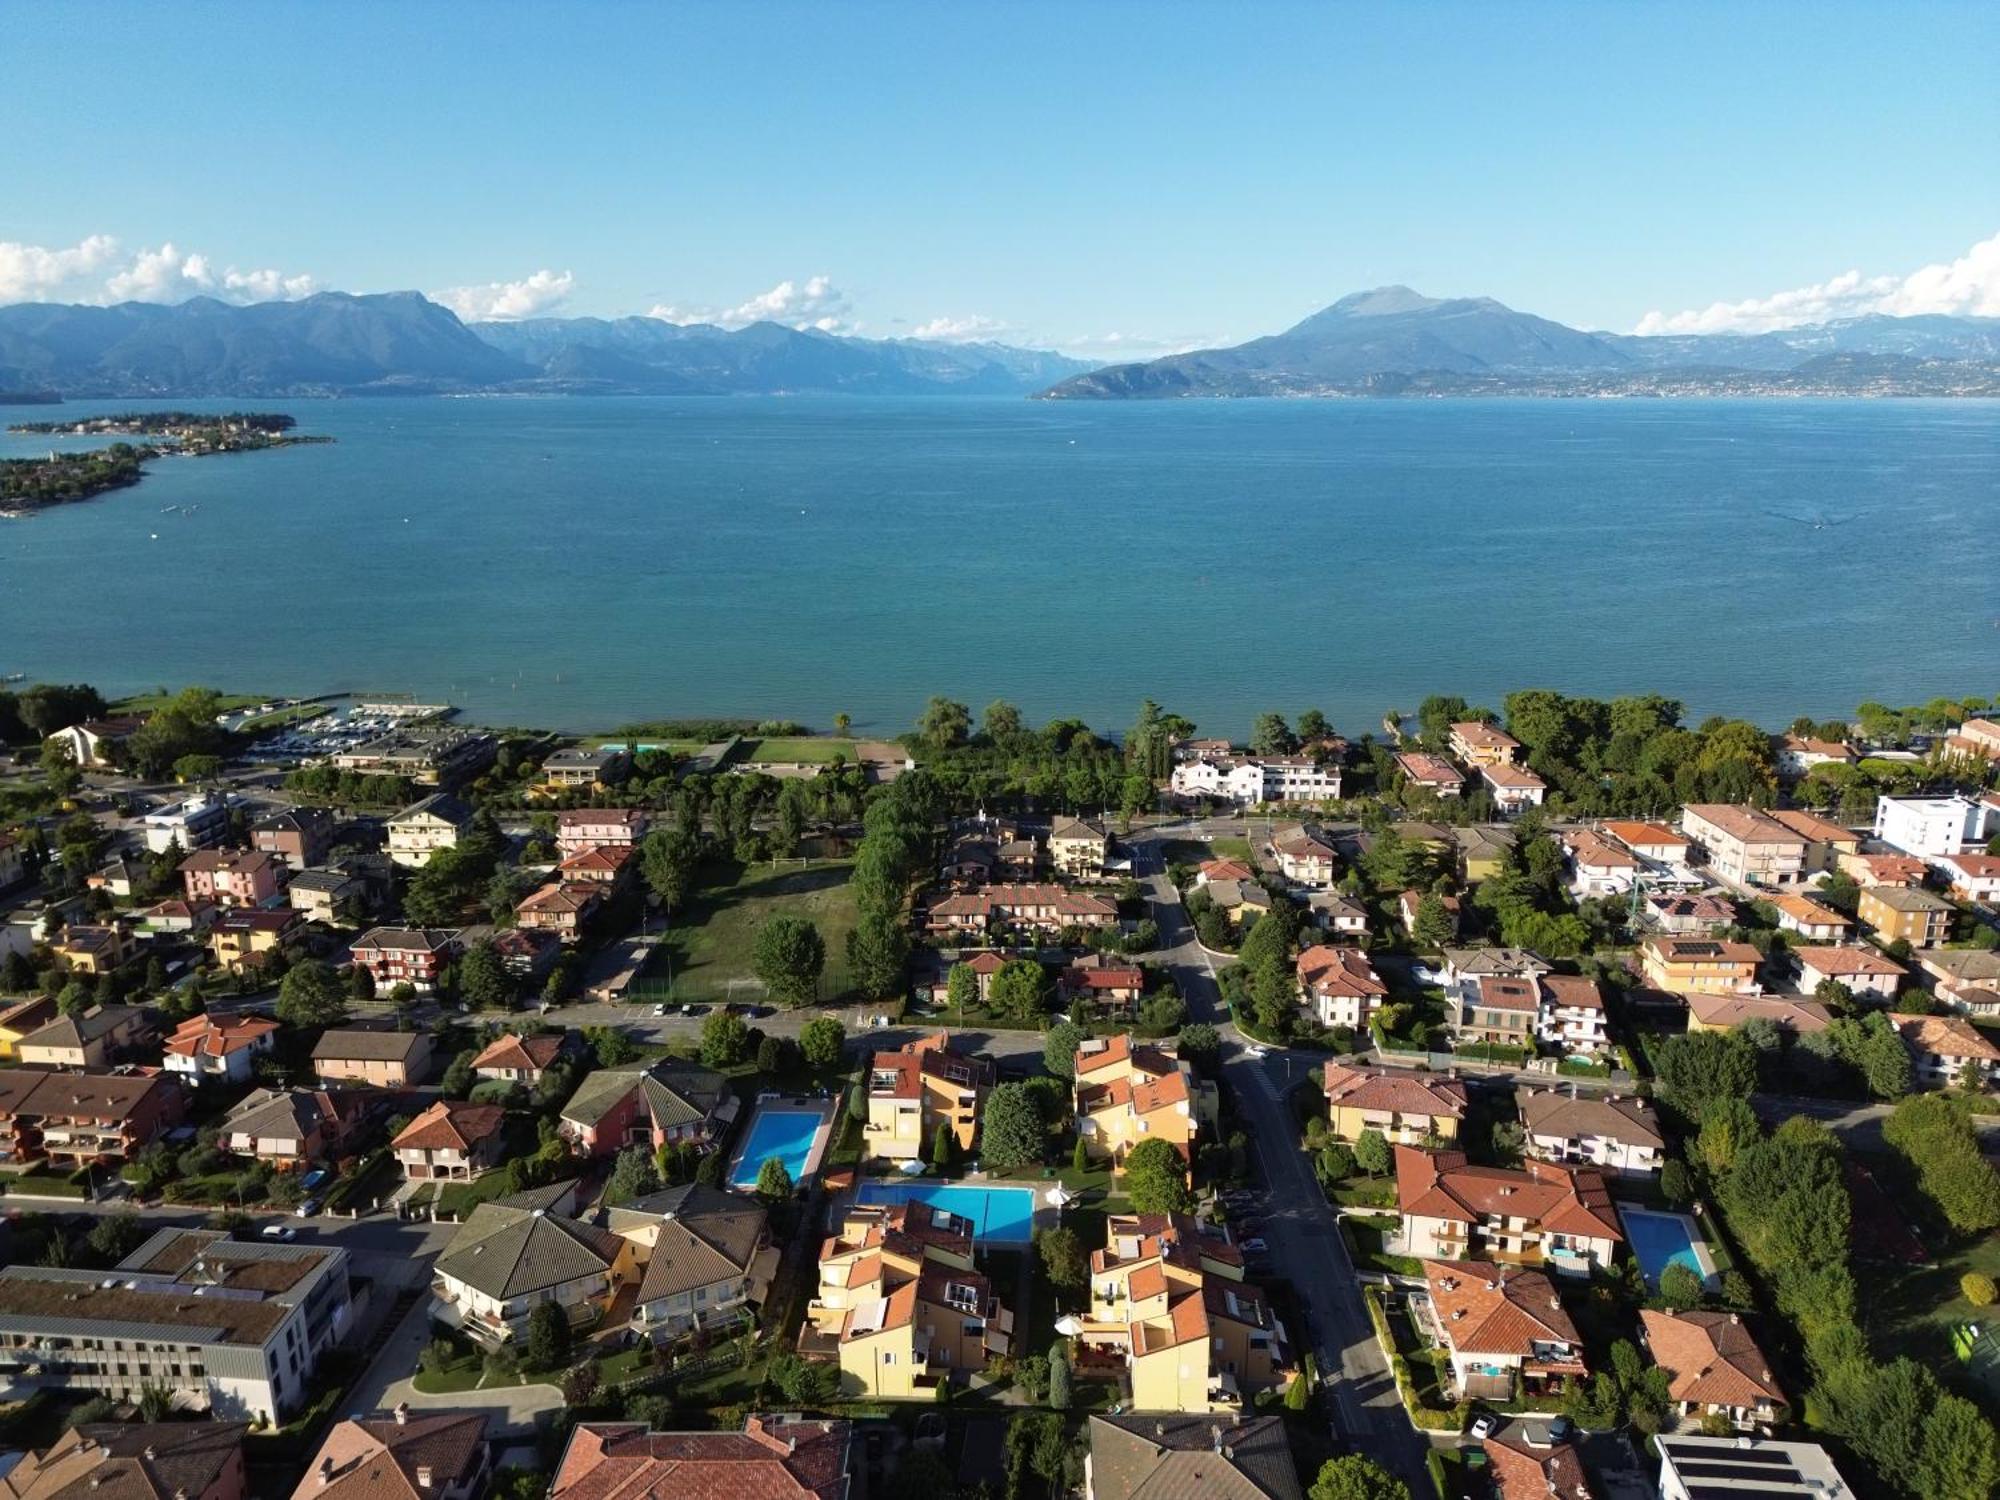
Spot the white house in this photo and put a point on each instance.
(1514, 787)
(420, 830)
(197, 823)
(1598, 867)
(1864, 971)
(1931, 827)
(1618, 1134)
(1249, 780)
(1571, 1013)
(1972, 877)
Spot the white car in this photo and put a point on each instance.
(659, 1010)
(279, 1232)
(1256, 1049)
(1484, 1425)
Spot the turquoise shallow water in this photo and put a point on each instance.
(581, 562)
(999, 1216)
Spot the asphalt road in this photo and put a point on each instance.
(1299, 1225)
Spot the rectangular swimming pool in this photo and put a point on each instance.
(1661, 1240)
(999, 1215)
(784, 1133)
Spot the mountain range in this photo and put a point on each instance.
(402, 342)
(1387, 342)
(1393, 341)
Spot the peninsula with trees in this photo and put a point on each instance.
(31, 484)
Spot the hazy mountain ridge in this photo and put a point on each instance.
(402, 342)
(1394, 341)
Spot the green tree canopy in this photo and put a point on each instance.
(1356, 1478)
(1156, 1179)
(789, 956)
(1012, 1134)
(311, 995)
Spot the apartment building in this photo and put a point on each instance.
(293, 1129)
(1949, 1050)
(428, 754)
(902, 1305)
(439, 821)
(1481, 744)
(415, 956)
(1810, 920)
(564, 907)
(1430, 773)
(1908, 913)
(1079, 848)
(1930, 827)
(582, 828)
(234, 1328)
(245, 938)
(1040, 908)
(1825, 840)
(93, 1038)
(79, 1119)
(588, 765)
(233, 877)
(1711, 1012)
(1744, 845)
(1869, 974)
(196, 823)
(916, 1089)
(143, 1460)
(1305, 854)
(1128, 1092)
(1541, 1214)
(1497, 1009)
(1169, 1303)
(299, 836)
(1514, 789)
(1699, 966)
(1696, 1467)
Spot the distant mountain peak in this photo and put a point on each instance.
(1382, 302)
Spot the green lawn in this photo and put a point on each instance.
(812, 750)
(466, 1373)
(146, 703)
(712, 942)
(1912, 1311)
(1233, 848)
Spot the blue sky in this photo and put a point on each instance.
(1104, 177)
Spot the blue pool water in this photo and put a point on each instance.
(1661, 1240)
(784, 1133)
(1000, 1216)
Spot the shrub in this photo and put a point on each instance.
(1977, 1288)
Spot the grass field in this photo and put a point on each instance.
(806, 749)
(714, 940)
(228, 703)
(1913, 1311)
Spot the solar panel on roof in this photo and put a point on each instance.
(1737, 1491)
(1709, 1456)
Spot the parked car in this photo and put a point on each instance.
(690, 1010)
(1255, 1246)
(313, 1178)
(279, 1232)
(309, 1207)
(659, 1010)
(1562, 1430)
(1485, 1425)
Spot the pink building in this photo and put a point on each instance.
(233, 877)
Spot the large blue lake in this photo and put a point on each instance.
(581, 562)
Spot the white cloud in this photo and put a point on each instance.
(974, 329)
(506, 301)
(35, 273)
(813, 303)
(1967, 287)
(1125, 348)
(97, 269)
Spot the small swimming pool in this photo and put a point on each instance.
(1661, 1240)
(787, 1134)
(999, 1215)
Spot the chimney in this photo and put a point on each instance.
(1159, 1429)
(402, 1413)
(423, 1476)
(325, 1470)
(791, 1445)
(150, 1454)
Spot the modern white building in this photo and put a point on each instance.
(1931, 827)
(1702, 1468)
(197, 823)
(1250, 780)
(423, 828)
(235, 1329)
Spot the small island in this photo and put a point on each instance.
(31, 484)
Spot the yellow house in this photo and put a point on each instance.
(901, 1304)
(91, 1038)
(93, 950)
(1079, 848)
(1409, 1108)
(1698, 966)
(241, 938)
(1919, 917)
(1169, 1303)
(21, 1019)
(1126, 1093)
(914, 1090)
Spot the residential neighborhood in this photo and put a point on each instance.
(574, 1092)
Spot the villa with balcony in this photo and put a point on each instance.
(1503, 1327)
(509, 1257)
(1541, 1214)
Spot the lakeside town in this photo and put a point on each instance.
(1558, 1098)
(59, 478)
